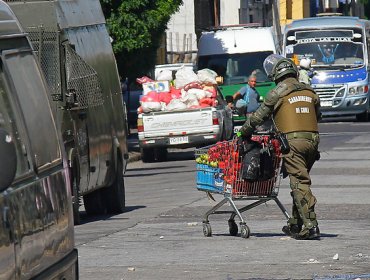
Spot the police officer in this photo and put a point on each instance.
(295, 109)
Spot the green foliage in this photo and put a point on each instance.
(137, 27)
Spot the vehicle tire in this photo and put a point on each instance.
(114, 195)
(363, 117)
(94, 204)
(147, 155)
(161, 154)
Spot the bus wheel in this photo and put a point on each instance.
(94, 204)
(363, 117)
(114, 195)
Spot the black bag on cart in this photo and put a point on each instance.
(267, 169)
(257, 161)
(251, 160)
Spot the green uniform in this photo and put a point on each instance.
(295, 109)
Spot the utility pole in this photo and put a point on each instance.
(353, 8)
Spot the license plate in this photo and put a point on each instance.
(326, 103)
(179, 140)
(236, 128)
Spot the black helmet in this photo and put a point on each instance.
(277, 66)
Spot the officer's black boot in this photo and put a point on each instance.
(308, 234)
(291, 230)
(310, 229)
(295, 223)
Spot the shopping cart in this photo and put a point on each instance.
(219, 171)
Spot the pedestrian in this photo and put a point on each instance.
(295, 110)
(247, 98)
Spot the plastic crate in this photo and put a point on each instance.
(209, 179)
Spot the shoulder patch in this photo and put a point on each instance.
(282, 89)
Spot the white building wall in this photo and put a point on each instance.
(229, 12)
(181, 31)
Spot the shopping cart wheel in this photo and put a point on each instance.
(233, 227)
(207, 230)
(244, 231)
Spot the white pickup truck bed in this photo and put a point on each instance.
(158, 131)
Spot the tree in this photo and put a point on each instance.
(137, 27)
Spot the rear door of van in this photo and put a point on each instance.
(38, 202)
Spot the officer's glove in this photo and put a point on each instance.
(243, 136)
(245, 142)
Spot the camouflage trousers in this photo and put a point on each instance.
(298, 163)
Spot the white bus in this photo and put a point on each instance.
(339, 49)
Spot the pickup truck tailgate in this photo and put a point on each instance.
(179, 122)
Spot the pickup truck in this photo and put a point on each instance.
(158, 131)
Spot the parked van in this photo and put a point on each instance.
(73, 46)
(235, 52)
(36, 219)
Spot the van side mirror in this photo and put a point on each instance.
(8, 163)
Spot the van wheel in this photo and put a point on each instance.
(147, 155)
(94, 204)
(363, 117)
(114, 195)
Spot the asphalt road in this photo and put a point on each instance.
(160, 236)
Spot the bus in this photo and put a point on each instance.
(339, 48)
(74, 50)
(234, 53)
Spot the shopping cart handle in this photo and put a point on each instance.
(266, 132)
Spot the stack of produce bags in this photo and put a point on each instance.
(189, 90)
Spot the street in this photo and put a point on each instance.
(160, 235)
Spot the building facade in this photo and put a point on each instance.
(185, 27)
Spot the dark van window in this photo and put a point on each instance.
(27, 81)
(8, 121)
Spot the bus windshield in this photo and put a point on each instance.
(327, 48)
(236, 68)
